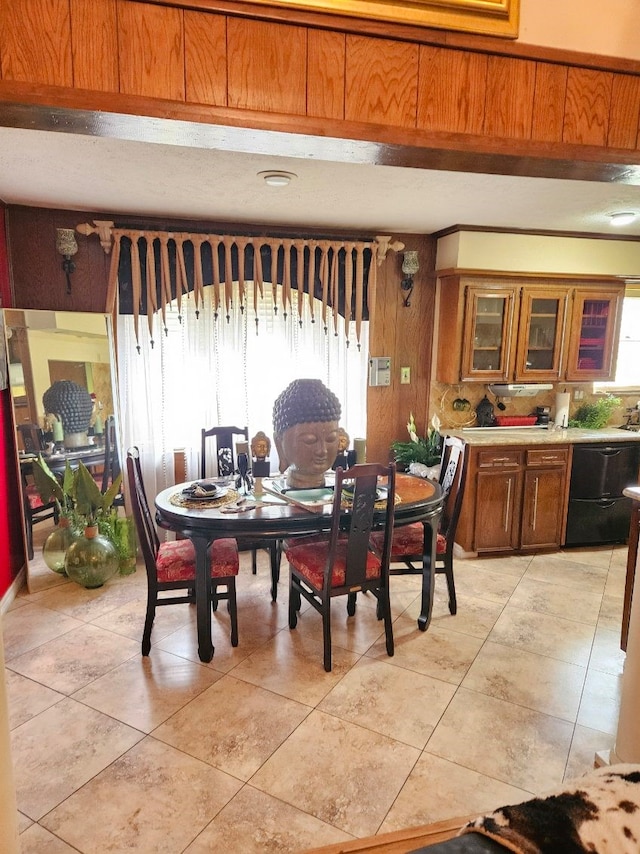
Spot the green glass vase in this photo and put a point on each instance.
(55, 546)
(92, 559)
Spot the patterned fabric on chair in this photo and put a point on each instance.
(35, 511)
(172, 565)
(343, 563)
(408, 541)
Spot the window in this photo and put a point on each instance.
(628, 365)
(204, 372)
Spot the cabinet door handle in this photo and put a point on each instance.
(535, 505)
(507, 505)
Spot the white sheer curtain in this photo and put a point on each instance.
(206, 372)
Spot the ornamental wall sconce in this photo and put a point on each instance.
(410, 266)
(66, 245)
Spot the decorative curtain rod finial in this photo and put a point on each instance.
(385, 244)
(102, 228)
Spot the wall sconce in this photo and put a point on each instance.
(67, 246)
(410, 267)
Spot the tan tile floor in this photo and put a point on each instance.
(261, 750)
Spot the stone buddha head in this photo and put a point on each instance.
(305, 428)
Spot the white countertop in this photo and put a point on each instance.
(541, 436)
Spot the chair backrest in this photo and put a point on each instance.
(147, 534)
(225, 454)
(453, 475)
(360, 488)
(32, 438)
(111, 456)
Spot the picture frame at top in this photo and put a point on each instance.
(483, 17)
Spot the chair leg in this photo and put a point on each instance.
(148, 623)
(451, 584)
(29, 527)
(294, 603)
(233, 610)
(254, 561)
(385, 603)
(351, 604)
(326, 633)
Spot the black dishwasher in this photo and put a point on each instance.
(598, 511)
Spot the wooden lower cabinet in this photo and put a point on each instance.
(515, 499)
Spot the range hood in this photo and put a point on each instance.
(519, 389)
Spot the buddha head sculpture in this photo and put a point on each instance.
(305, 428)
(70, 403)
(260, 446)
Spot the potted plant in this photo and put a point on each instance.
(421, 453)
(62, 492)
(84, 546)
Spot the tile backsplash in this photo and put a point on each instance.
(443, 397)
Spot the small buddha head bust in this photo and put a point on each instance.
(305, 430)
(260, 446)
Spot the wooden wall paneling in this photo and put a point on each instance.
(151, 50)
(94, 44)
(624, 119)
(381, 81)
(510, 92)
(326, 52)
(405, 334)
(205, 52)
(267, 66)
(548, 102)
(588, 105)
(36, 266)
(35, 42)
(451, 90)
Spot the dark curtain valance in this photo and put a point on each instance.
(152, 269)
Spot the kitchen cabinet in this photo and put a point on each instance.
(545, 479)
(504, 328)
(498, 500)
(515, 499)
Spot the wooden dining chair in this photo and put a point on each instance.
(412, 542)
(171, 565)
(344, 563)
(224, 447)
(35, 510)
(226, 462)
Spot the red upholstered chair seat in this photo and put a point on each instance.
(408, 540)
(176, 560)
(310, 557)
(33, 497)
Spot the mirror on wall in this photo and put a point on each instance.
(60, 370)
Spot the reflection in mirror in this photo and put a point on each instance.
(60, 371)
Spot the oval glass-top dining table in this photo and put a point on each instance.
(271, 517)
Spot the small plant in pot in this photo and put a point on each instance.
(422, 454)
(86, 516)
(93, 557)
(63, 493)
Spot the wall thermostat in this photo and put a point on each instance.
(380, 370)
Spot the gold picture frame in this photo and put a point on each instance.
(486, 17)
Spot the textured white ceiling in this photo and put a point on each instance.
(73, 171)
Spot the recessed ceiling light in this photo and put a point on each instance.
(277, 179)
(622, 217)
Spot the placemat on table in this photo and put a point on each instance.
(181, 500)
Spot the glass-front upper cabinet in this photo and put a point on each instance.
(487, 339)
(541, 334)
(594, 330)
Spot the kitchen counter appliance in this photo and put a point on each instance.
(598, 511)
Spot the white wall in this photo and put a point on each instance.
(611, 28)
(533, 253)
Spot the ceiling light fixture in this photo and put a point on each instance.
(622, 217)
(277, 179)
